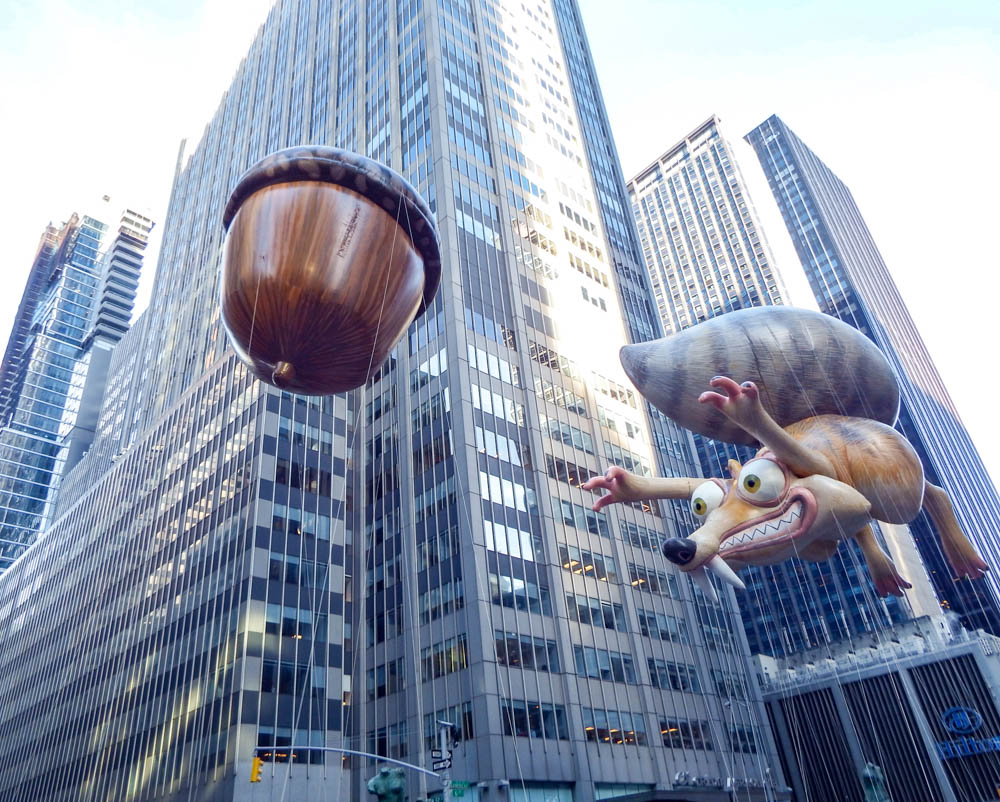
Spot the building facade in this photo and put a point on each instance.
(913, 714)
(274, 572)
(851, 281)
(700, 234)
(84, 277)
(706, 254)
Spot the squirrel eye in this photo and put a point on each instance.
(762, 479)
(705, 498)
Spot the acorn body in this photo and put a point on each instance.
(328, 259)
(804, 363)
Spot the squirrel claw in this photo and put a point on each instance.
(716, 400)
(891, 585)
(970, 570)
(731, 388)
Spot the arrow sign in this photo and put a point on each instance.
(437, 754)
(441, 765)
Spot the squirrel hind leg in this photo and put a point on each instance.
(884, 575)
(962, 555)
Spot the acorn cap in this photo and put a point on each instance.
(370, 179)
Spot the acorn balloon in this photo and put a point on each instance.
(329, 256)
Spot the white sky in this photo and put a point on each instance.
(900, 99)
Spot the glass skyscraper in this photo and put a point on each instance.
(81, 285)
(232, 568)
(851, 281)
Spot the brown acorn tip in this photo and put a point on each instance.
(282, 374)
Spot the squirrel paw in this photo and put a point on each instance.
(890, 584)
(618, 481)
(972, 568)
(964, 560)
(741, 402)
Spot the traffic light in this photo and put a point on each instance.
(255, 768)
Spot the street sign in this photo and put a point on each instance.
(458, 787)
(441, 765)
(438, 754)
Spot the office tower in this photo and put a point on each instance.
(704, 247)
(119, 282)
(82, 276)
(556, 640)
(209, 549)
(851, 281)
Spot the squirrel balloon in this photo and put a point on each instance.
(819, 398)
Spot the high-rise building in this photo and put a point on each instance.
(707, 255)
(80, 288)
(704, 246)
(234, 569)
(851, 281)
(109, 320)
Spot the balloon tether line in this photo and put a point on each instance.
(314, 609)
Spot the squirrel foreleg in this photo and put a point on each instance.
(741, 404)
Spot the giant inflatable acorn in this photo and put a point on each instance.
(329, 257)
(819, 399)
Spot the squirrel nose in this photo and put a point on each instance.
(679, 550)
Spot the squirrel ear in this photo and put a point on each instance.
(734, 468)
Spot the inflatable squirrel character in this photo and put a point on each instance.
(819, 398)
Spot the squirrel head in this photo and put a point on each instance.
(763, 515)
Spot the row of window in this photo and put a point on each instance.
(288, 677)
(566, 434)
(493, 365)
(518, 649)
(561, 396)
(495, 404)
(390, 677)
(651, 581)
(566, 471)
(529, 719)
(588, 563)
(581, 517)
(296, 522)
(515, 542)
(446, 657)
(609, 615)
(614, 726)
(664, 627)
(304, 477)
(678, 676)
(508, 493)
(295, 571)
(502, 448)
(519, 594)
(460, 717)
(293, 622)
(437, 548)
(301, 435)
(441, 601)
(640, 536)
(604, 664)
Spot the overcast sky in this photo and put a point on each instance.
(900, 99)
